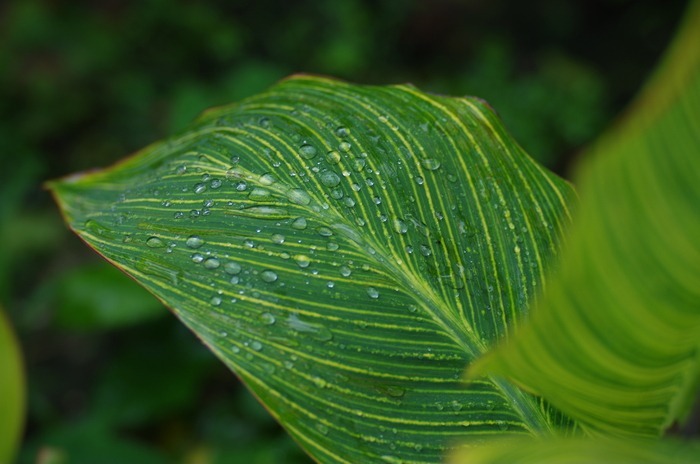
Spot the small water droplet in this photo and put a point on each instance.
(324, 231)
(322, 428)
(349, 202)
(372, 292)
(215, 183)
(267, 318)
(392, 459)
(302, 260)
(419, 180)
(333, 157)
(197, 258)
(431, 164)
(211, 263)
(232, 268)
(425, 250)
(278, 238)
(342, 132)
(268, 276)
(307, 151)
(215, 300)
(154, 242)
(319, 382)
(395, 391)
(256, 345)
(345, 271)
(200, 188)
(194, 242)
(400, 226)
(359, 164)
(299, 223)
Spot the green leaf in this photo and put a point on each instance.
(615, 341)
(346, 250)
(580, 451)
(11, 391)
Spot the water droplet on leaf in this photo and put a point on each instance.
(307, 151)
(268, 276)
(154, 242)
(194, 241)
(372, 292)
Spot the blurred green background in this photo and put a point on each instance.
(112, 376)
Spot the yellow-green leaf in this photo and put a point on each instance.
(580, 451)
(615, 341)
(12, 397)
(346, 250)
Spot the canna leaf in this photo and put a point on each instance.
(615, 341)
(346, 250)
(580, 451)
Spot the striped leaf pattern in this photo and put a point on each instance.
(347, 251)
(580, 451)
(615, 342)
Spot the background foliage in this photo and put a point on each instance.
(84, 83)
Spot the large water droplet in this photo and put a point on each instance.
(344, 147)
(299, 223)
(259, 194)
(329, 178)
(154, 242)
(431, 164)
(197, 258)
(342, 132)
(324, 231)
(316, 331)
(200, 188)
(267, 318)
(307, 151)
(256, 345)
(278, 238)
(194, 241)
(232, 268)
(267, 179)
(419, 180)
(345, 271)
(211, 263)
(215, 300)
(372, 292)
(299, 196)
(268, 276)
